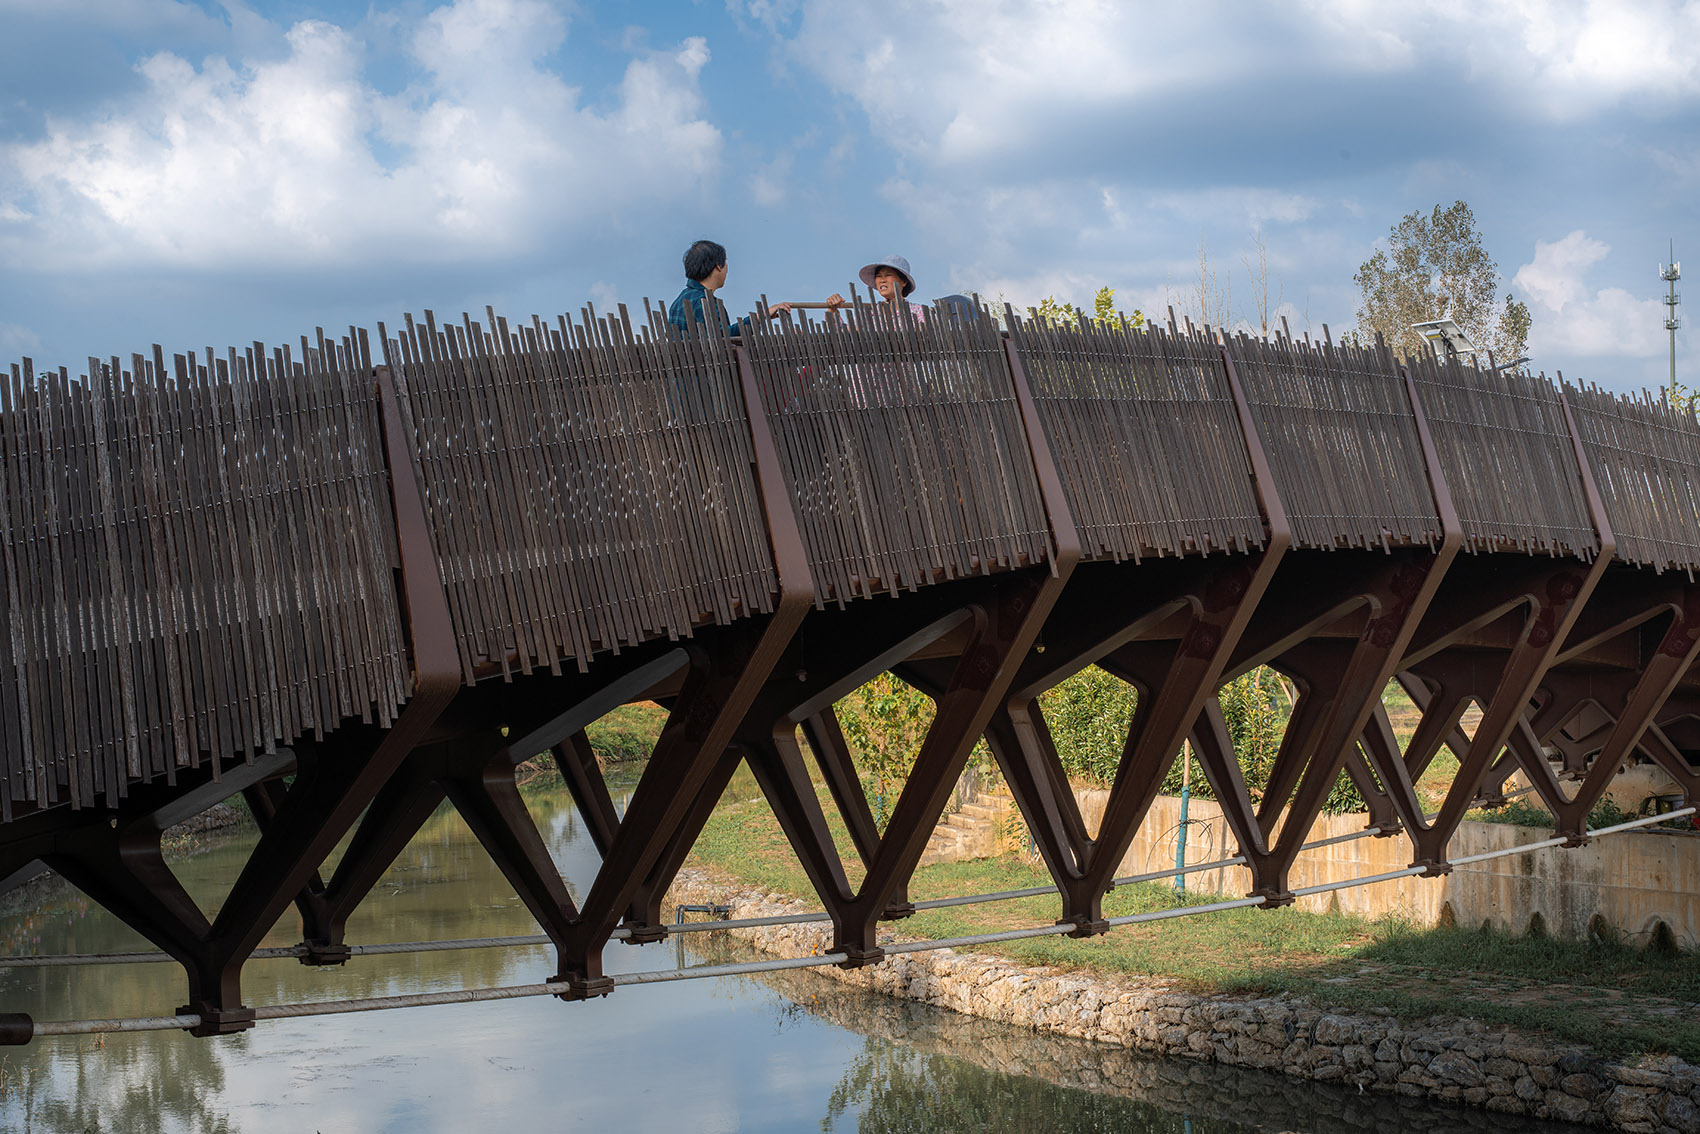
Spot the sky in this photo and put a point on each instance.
(201, 173)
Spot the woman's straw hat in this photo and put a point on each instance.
(897, 263)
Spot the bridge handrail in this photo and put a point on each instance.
(1508, 458)
(1646, 459)
(1342, 440)
(589, 485)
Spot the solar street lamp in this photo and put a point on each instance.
(1444, 334)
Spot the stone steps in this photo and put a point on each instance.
(974, 830)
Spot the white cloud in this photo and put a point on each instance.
(605, 295)
(1569, 319)
(969, 80)
(300, 161)
(768, 186)
(16, 339)
(1554, 278)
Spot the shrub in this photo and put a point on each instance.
(1088, 715)
(1520, 813)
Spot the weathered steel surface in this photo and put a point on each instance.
(196, 563)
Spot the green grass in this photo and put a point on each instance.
(628, 733)
(1610, 995)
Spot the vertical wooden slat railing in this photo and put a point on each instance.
(1645, 455)
(197, 565)
(903, 447)
(589, 485)
(1336, 421)
(1143, 427)
(1508, 459)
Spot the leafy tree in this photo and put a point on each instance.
(1251, 706)
(1103, 311)
(1436, 268)
(1088, 714)
(884, 723)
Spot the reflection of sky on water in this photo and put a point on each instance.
(678, 1057)
(711, 1055)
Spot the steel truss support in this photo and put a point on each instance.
(1171, 637)
(475, 768)
(999, 625)
(1340, 681)
(1174, 681)
(121, 867)
(1501, 682)
(1339, 677)
(1630, 704)
(866, 642)
(1001, 632)
(1551, 599)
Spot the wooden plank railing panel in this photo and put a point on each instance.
(1337, 424)
(1645, 456)
(589, 484)
(1508, 458)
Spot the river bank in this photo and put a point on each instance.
(1225, 1097)
(1445, 1059)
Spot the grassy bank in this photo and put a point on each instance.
(1613, 996)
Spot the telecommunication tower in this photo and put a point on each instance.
(1670, 274)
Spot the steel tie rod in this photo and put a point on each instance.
(403, 947)
(19, 1028)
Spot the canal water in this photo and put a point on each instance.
(782, 1052)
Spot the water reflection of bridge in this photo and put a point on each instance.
(350, 592)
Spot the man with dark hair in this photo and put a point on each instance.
(705, 272)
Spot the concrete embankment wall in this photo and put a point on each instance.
(1633, 881)
(1445, 1059)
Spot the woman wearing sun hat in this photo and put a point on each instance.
(890, 278)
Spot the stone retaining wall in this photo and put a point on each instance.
(1447, 1059)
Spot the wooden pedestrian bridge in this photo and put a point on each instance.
(349, 591)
